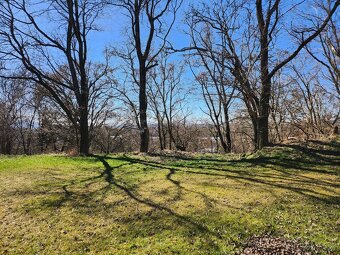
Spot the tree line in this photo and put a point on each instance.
(265, 71)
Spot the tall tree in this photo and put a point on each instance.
(54, 56)
(150, 25)
(326, 50)
(253, 48)
(167, 97)
(217, 85)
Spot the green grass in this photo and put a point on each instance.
(198, 204)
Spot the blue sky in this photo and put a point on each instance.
(112, 34)
(114, 26)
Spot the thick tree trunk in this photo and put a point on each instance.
(171, 137)
(263, 118)
(263, 131)
(8, 146)
(263, 111)
(143, 105)
(84, 145)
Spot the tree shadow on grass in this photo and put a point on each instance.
(266, 173)
(292, 181)
(295, 183)
(263, 172)
(110, 179)
(89, 200)
(109, 176)
(284, 174)
(310, 154)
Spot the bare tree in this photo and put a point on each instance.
(311, 109)
(216, 82)
(10, 105)
(267, 19)
(254, 57)
(56, 60)
(185, 132)
(148, 24)
(326, 49)
(167, 97)
(18, 117)
(278, 110)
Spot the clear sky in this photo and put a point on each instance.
(114, 26)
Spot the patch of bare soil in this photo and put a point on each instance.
(269, 245)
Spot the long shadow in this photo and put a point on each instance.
(287, 163)
(334, 144)
(319, 154)
(289, 174)
(110, 179)
(184, 157)
(249, 176)
(288, 180)
(266, 179)
(309, 157)
(172, 170)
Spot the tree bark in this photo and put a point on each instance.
(84, 132)
(263, 118)
(227, 132)
(143, 105)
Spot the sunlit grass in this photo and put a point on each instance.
(201, 204)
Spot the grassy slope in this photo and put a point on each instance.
(125, 204)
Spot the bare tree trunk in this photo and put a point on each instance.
(77, 19)
(84, 132)
(143, 105)
(148, 25)
(227, 130)
(263, 118)
(160, 134)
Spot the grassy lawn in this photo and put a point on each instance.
(185, 204)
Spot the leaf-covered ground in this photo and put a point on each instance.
(170, 204)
